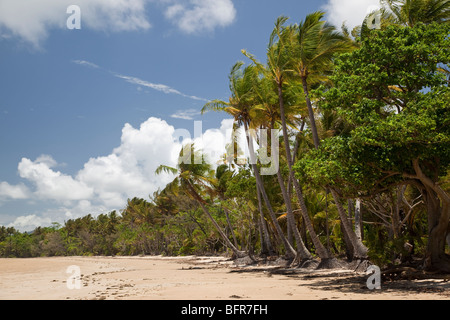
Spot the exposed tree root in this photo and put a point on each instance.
(360, 265)
(309, 264)
(331, 263)
(304, 263)
(241, 254)
(244, 261)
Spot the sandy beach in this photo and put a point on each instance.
(193, 278)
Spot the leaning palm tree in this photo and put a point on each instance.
(240, 107)
(318, 42)
(267, 115)
(279, 70)
(194, 179)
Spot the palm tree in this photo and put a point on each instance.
(240, 107)
(223, 174)
(411, 12)
(196, 179)
(279, 70)
(318, 42)
(268, 115)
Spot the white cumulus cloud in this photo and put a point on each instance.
(106, 182)
(213, 142)
(31, 20)
(129, 171)
(50, 184)
(30, 222)
(352, 12)
(11, 192)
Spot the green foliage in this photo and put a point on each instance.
(393, 93)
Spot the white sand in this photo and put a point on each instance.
(192, 278)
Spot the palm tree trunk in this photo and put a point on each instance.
(294, 154)
(312, 119)
(327, 225)
(230, 226)
(303, 253)
(320, 249)
(289, 250)
(227, 216)
(236, 251)
(266, 244)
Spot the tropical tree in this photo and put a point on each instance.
(392, 91)
(267, 115)
(318, 43)
(196, 179)
(241, 107)
(279, 70)
(223, 175)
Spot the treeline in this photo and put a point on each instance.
(173, 224)
(143, 228)
(364, 154)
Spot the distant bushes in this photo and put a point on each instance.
(139, 230)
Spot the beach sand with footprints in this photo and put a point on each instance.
(194, 278)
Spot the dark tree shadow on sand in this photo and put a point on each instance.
(352, 282)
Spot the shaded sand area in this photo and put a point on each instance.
(194, 278)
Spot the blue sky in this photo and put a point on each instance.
(87, 115)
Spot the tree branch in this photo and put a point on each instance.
(428, 182)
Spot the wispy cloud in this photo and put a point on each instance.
(141, 83)
(156, 86)
(86, 64)
(196, 16)
(188, 114)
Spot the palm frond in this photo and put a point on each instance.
(167, 169)
(214, 105)
(276, 33)
(319, 41)
(253, 59)
(173, 187)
